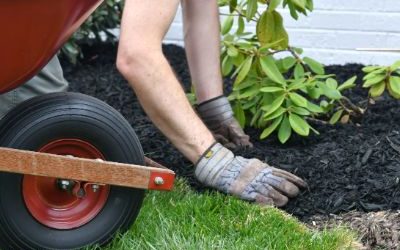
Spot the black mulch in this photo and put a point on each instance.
(353, 167)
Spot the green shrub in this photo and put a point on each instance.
(95, 29)
(277, 94)
(379, 78)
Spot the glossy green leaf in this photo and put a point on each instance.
(297, 84)
(315, 66)
(314, 92)
(348, 84)
(271, 70)
(330, 93)
(280, 32)
(241, 26)
(228, 38)
(268, 99)
(299, 125)
(248, 83)
(271, 128)
(299, 3)
(239, 114)
(395, 84)
(227, 66)
(375, 73)
(274, 106)
(232, 96)
(369, 69)
(227, 25)
(288, 62)
(336, 116)
(271, 89)
(298, 99)
(244, 70)
(298, 71)
(377, 89)
(256, 117)
(266, 47)
(273, 4)
(251, 10)
(331, 83)
(310, 5)
(251, 92)
(395, 66)
(300, 111)
(275, 114)
(292, 9)
(250, 103)
(285, 130)
(375, 80)
(232, 51)
(238, 60)
(324, 104)
(270, 29)
(232, 5)
(369, 76)
(314, 108)
(391, 92)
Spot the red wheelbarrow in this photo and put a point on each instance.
(72, 170)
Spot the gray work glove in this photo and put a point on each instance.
(218, 116)
(249, 179)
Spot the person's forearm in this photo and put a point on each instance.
(142, 63)
(202, 44)
(165, 103)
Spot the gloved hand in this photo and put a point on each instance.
(249, 179)
(218, 116)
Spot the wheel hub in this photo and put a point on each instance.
(65, 204)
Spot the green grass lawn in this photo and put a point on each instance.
(184, 219)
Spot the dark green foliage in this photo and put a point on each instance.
(95, 29)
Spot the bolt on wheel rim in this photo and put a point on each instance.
(55, 207)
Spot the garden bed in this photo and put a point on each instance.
(353, 170)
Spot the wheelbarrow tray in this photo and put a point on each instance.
(32, 33)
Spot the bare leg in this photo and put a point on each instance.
(202, 43)
(141, 61)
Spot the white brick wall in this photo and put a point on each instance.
(333, 31)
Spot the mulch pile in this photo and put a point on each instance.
(353, 170)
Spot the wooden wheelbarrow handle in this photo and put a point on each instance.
(153, 177)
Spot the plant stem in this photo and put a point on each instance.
(352, 106)
(239, 14)
(317, 121)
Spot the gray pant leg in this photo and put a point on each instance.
(49, 80)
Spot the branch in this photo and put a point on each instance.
(317, 121)
(295, 55)
(239, 14)
(352, 106)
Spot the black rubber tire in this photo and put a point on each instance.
(67, 115)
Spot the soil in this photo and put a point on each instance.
(353, 170)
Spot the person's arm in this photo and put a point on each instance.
(202, 45)
(142, 63)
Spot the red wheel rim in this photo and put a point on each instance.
(57, 208)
